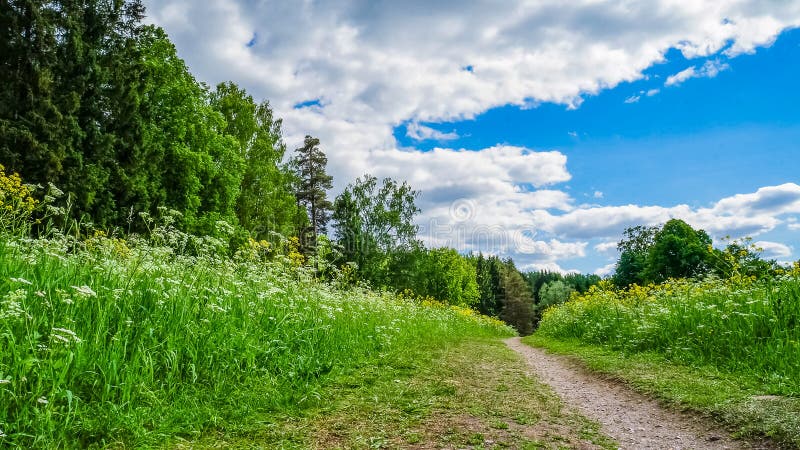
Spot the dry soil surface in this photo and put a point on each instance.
(635, 421)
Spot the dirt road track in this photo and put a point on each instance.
(635, 421)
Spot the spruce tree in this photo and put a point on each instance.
(517, 300)
(30, 137)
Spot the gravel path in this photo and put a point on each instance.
(633, 420)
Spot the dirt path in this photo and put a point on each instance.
(635, 421)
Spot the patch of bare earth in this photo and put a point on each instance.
(635, 421)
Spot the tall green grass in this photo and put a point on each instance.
(131, 345)
(747, 328)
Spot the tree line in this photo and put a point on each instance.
(653, 254)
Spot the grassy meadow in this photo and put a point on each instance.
(133, 343)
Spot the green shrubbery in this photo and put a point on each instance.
(740, 325)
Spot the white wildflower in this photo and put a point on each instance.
(21, 280)
(11, 305)
(65, 335)
(4, 381)
(42, 400)
(58, 337)
(85, 290)
(216, 308)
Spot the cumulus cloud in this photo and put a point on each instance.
(772, 200)
(739, 215)
(606, 247)
(773, 250)
(708, 70)
(422, 133)
(381, 66)
(606, 270)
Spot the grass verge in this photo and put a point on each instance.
(738, 401)
(475, 393)
(129, 344)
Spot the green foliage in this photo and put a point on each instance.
(553, 293)
(29, 115)
(489, 274)
(630, 269)
(741, 259)
(101, 106)
(653, 254)
(124, 343)
(742, 326)
(446, 275)
(266, 202)
(375, 226)
(634, 248)
(558, 288)
(678, 251)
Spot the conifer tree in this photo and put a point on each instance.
(312, 188)
(517, 300)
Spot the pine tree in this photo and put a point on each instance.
(311, 190)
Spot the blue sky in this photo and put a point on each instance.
(533, 131)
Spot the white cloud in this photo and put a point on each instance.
(636, 97)
(606, 270)
(739, 215)
(597, 194)
(633, 99)
(773, 250)
(548, 267)
(708, 70)
(421, 133)
(681, 76)
(771, 200)
(605, 247)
